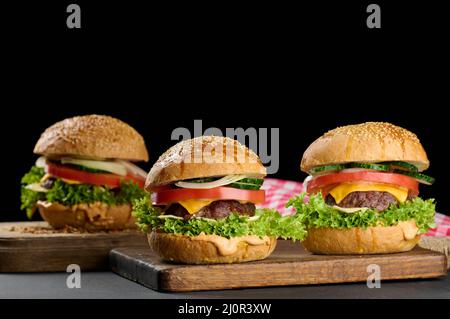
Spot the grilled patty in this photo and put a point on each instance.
(216, 210)
(372, 199)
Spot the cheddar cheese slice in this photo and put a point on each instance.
(194, 205)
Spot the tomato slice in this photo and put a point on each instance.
(156, 189)
(322, 182)
(324, 190)
(111, 180)
(217, 193)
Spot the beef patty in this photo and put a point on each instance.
(372, 199)
(216, 210)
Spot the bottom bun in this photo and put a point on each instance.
(91, 217)
(372, 240)
(210, 249)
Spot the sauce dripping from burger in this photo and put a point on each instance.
(229, 246)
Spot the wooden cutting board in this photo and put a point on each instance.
(36, 247)
(289, 264)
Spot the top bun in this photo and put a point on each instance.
(369, 142)
(204, 156)
(94, 137)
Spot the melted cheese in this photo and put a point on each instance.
(65, 180)
(342, 190)
(194, 205)
(227, 246)
(69, 181)
(349, 210)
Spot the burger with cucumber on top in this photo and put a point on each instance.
(205, 193)
(85, 177)
(362, 191)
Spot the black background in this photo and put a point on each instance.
(304, 69)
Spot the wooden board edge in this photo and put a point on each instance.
(120, 264)
(167, 277)
(41, 261)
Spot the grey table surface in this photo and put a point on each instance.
(105, 285)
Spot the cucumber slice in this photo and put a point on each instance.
(377, 167)
(339, 167)
(248, 183)
(402, 165)
(422, 178)
(320, 169)
(235, 181)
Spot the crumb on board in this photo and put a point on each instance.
(50, 230)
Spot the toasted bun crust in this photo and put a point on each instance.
(90, 217)
(182, 249)
(92, 136)
(204, 156)
(367, 142)
(373, 240)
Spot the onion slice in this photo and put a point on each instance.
(41, 162)
(107, 166)
(169, 216)
(133, 169)
(305, 183)
(229, 179)
(36, 187)
(253, 218)
(350, 210)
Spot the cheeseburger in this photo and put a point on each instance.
(85, 177)
(205, 192)
(363, 191)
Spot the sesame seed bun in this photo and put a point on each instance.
(91, 217)
(92, 136)
(188, 250)
(372, 240)
(204, 156)
(369, 142)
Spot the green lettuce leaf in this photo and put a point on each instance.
(267, 222)
(28, 197)
(72, 194)
(316, 213)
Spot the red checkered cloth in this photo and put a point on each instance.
(279, 191)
